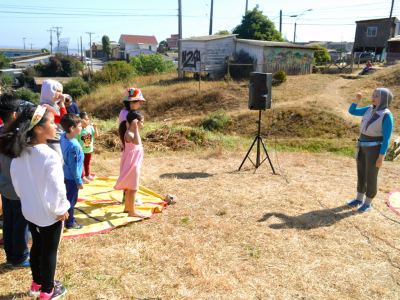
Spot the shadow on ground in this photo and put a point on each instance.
(171, 81)
(311, 220)
(193, 175)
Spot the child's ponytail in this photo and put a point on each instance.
(121, 131)
(18, 136)
(132, 115)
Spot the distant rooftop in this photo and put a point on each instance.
(209, 37)
(276, 44)
(394, 19)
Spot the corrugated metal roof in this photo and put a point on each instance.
(275, 44)
(209, 37)
(39, 80)
(137, 39)
(395, 39)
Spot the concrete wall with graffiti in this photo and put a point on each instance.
(291, 60)
(209, 53)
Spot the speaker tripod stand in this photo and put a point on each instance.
(259, 141)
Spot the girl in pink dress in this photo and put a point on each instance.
(131, 160)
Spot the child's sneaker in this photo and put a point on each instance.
(364, 208)
(354, 202)
(57, 293)
(23, 265)
(35, 288)
(85, 180)
(74, 226)
(90, 177)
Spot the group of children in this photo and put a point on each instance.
(45, 157)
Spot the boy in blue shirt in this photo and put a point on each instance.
(73, 163)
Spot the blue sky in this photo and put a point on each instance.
(328, 20)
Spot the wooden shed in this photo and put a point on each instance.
(38, 81)
(292, 58)
(209, 50)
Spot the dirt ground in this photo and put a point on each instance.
(238, 235)
(241, 235)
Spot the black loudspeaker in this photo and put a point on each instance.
(260, 91)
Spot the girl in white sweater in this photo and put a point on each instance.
(38, 179)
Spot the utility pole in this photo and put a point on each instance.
(24, 42)
(58, 38)
(247, 6)
(294, 38)
(51, 40)
(280, 21)
(391, 9)
(31, 45)
(81, 51)
(91, 61)
(211, 17)
(179, 38)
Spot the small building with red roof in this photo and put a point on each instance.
(136, 44)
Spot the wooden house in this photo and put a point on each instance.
(373, 35)
(393, 50)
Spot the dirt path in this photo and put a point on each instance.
(327, 98)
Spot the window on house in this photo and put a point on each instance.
(371, 31)
(150, 48)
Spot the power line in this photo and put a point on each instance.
(80, 9)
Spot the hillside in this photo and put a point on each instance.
(310, 109)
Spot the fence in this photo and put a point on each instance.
(343, 63)
(394, 150)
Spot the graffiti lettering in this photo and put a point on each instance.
(190, 58)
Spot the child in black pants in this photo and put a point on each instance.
(37, 176)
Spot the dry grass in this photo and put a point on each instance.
(237, 235)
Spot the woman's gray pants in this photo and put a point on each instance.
(367, 172)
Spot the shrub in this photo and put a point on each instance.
(4, 61)
(6, 79)
(218, 121)
(28, 95)
(27, 75)
(76, 88)
(239, 72)
(151, 64)
(280, 76)
(60, 65)
(79, 64)
(113, 72)
(321, 56)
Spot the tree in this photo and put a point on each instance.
(222, 32)
(321, 54)
(106, 46)
(161, 49)
(4, 61)
(163, 43)
(256, 26)
(44, 50)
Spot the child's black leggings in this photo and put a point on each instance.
(43, 260)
